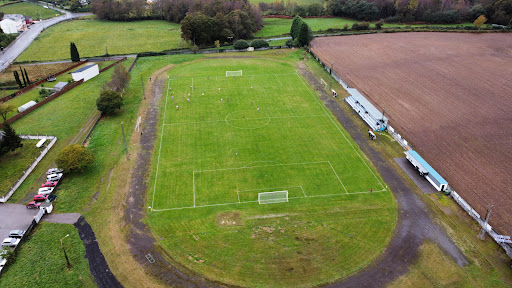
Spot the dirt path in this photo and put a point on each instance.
(97, 264)
(414, 224)
(141, 242)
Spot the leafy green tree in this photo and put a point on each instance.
(295, 26)
(5, 109)
(241, 44)
(75, 56)
(17, 78)
(502, 12)
(198, 28)
(305, 34)
(75, 5)
(26, 76)
(10, 141)
(109, 101)
(23, 75)
(75, 158)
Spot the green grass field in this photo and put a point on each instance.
(265, 131)
(13, 164)
(41, 260)
(30, 9)
(278, 26)
(94, 37)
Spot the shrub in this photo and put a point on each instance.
(109, 101)
(378, 25)
(75, 158)
(290, 43)
(260, 43)
(241, 44)
(361, 26)
(345, 27)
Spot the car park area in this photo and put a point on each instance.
(15, 217)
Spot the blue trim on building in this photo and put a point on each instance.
(431, 172)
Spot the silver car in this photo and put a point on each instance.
(10, 242)
(16, 233)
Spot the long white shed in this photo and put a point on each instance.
(26, 106)
(86, 72)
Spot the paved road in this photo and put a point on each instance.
(24, 39)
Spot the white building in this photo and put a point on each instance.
(86, 72)
(13, 23)
(26, 106)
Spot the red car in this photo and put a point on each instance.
(40, 198)
(49, 184)
(33, 204)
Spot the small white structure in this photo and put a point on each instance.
(26, 106)
(12, 23)
(59, 86)
(9, 26)
(40, 143)
(86, 73)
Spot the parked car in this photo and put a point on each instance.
(40, 198)
(3, 261)
(54, 171)
(45, 190)
(54, 177)
(33, 204)
(49, 184)
(10, 242)
(16, 233)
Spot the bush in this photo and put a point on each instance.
(241, 44)
(74, 158)
(378, 25)
(109, 101)
(361, 26)
(260, 43)
(290, 43)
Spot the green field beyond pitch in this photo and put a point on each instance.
(235, 137)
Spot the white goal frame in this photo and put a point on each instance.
(234, 73)
(273, 197)
(323, 83)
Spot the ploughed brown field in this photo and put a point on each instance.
(450, 96)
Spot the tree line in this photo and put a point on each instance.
(431, 11)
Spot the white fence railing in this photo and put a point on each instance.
(32, 166)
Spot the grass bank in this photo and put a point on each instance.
(30, 9)
(40, 260)
(97, 37)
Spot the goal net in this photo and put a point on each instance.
(273, 197)
(234, 73)
(323, 83)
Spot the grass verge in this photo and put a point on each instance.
(13, 164)
(40, 260)
(30, 9)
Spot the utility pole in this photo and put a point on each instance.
(65, 255)
(482, 232)
(330, 82)
(142, 81)
(124, 139)
(382, 124)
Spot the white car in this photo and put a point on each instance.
(53, 171)
(45, 191)
(16, 233)
(10, 242)
(54, 177)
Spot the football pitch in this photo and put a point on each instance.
(224, 140)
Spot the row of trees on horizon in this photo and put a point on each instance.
(406, 11)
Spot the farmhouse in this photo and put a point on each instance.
(86, 72)
(426, 170)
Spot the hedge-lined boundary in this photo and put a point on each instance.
(50, 98)
(33, 85)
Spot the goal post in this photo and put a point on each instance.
(273, 197)
(234, 73)
(323, 83)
